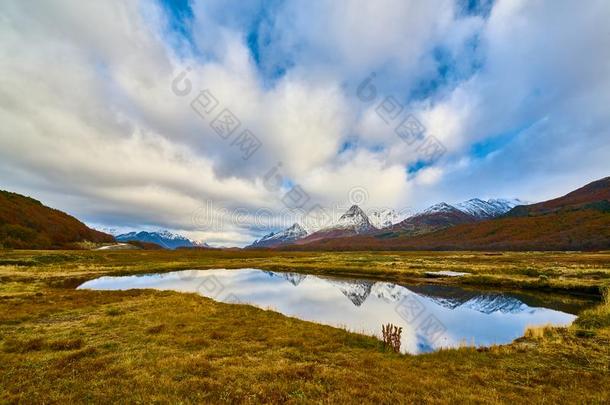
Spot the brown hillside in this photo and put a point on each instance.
(594, 195)
(27, 224)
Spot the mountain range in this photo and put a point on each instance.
(387, 222)
(579, 220)
(165, 239)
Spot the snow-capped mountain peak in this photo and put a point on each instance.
(356, 291)
(487, 209)
(294, 231)
(506, 204)
(290, 234)
(354, 219)
(440, 207)
(384, 217)
(169, 235)
(475, 207)
(293, 278)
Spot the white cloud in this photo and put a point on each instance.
(90, 123)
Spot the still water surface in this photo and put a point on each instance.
(432, 316)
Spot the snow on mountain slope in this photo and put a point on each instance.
(293, 278)
(443, 215)
(454, 297)
(384, 217)
(356, 291)
(487, 209)
(506, 205)
(388, 292)
(491, 303)
(475, 207)
(438, 216)
(438, 208)
(288, 235)
(354, 219)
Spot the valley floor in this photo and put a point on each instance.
(61, 345)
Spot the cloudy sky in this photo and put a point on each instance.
(221, 119)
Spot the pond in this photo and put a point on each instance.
(432, 316)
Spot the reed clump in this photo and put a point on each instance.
(391, 336)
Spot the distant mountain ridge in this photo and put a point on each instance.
(356, 221)
(439, 216)
(25, 223)
(443, 215)
(165, 238)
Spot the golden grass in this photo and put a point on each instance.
(539, 332)
(60, 345)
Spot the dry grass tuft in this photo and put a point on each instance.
(539, 332)
(72, 358)
(113, 312)
(198, 366)
(13, 345)
(66, 344)
(154, 330)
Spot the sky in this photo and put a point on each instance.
(224, 121)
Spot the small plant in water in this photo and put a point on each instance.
(391, 336)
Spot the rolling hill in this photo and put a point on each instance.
(27, 224)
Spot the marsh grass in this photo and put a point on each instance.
(60, 345)
(597, 317)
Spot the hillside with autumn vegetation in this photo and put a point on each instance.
(579, 220)
(26, 223)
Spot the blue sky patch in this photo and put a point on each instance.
(489, 145)
(417, 166)
(180, 14)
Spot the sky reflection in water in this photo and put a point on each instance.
(432, 316)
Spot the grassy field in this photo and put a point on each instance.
(62, 345)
